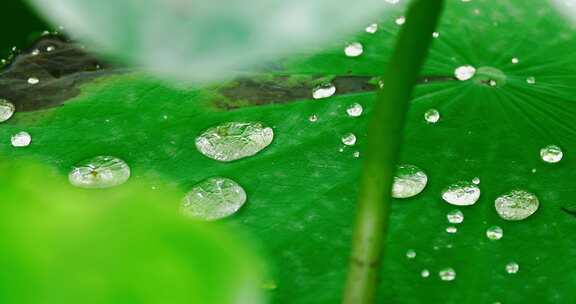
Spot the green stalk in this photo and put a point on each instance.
(384, 139)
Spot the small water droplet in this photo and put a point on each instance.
(531, 80)
(356, 154)
(408, 181)
(432, 116)
(425, 273)
(461, 194)
(349, 139)
(516, 205)
(213, 199)
(50, 48)
(372, 28)
(99, 172)
(354, 110)
(313, 118)
(515, 60)
(400, 20)
(551, 154)
(323, 91)
(6, 110)
(512, 267)
(447, 274)
(234, 140)
(494, 233)
(435, 34)
(21, 139)
(33, 80)
(455, 216)
(451, 229)
(476, 181)
(354, 49)
(35, 52)
(411, 254)
(464, 72)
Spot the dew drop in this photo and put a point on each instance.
(234, 140)
(425, 273)
(33, 80)
(356, 154)
(21, 139)
(354, 110)
(464, 72)
(435, 34)
(494, 233)
(313, 118)
(531, 80)
(516, 205)
(372, 28)
(400, 20)
(455, 216)
(408, 181)
(432, 116)
(411, 254)
(512, 268)
(461, 194)
(354, 49)
(349, 139)
(213, 199)
(451, 229)
(551, 154)
(447, 274)
(515, 60)
(476, 181)
(6, 110)
(323, 91)
(99, 172)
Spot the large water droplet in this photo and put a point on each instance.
(234, 140)
(451, 229)
(447, 274)
(400, 20)
(99, 172)
(349, 139)
(213, 199)
(455, 216)
(531, 80)
(354, 110)
(551, 154)
(323, 91)
(21, 139)
(432, 116)
(494, 233)
(516, 205)
(408, 181)
(464, 72)
(512, 267)
(461, 194)
(354, 49)
(6, 110)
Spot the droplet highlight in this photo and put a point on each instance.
(512, 268)
(432, 116)
(464, 72)
(213, 199)
(349, 139)
(354, 49)
(447, 274)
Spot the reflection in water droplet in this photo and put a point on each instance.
(551, 154)
(213, 199)
(531, 80)
(400, 20)
(447, 274)
(476, 181)
(432, 116)
(461, 194)
(516, 205)
(494, 233)
(354, 49)
(33, 80)
(425, 273)
(372, 28)
(349, 139)
(512, 267)
(234, 140)
(354, 110)
(451, 229)
(455, 216)
(313, 118)
(99, 172)
(408, 181)
(464, 72)
(323, 91)
(515, 60)
(21, 139)
(411, 254)
(6, 110)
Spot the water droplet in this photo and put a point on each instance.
(515, 60)
(512, 267)
(50, 48)
(354, 49)
(35, 52)
(451, 229)
(33, 80)
(349, 139)
(464, 72)
(6, 110)
(476, 181)
(494, 233)
(99, 172)
(435, 34)
(354, 110)
(356, 154)
(461, 194)
(551, 154)
(400, 20)
(393, 1)
(432, 116)
(447, 274)
(455, 216)
(531, 80)
(372, 28)
(425, 273)
(323, 91)
(411, 254)
(234, 140)
(213, 199)
(516, 205)
(408, 181)
(21, 139)
(313, 118)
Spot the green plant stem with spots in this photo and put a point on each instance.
(384, 139)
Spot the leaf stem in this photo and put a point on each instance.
(384, 139)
